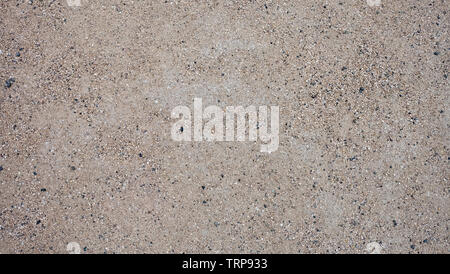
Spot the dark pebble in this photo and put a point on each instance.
(437, 53)
(43, 189)
(1, 168)
(9, 82)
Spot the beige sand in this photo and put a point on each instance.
(86, 154)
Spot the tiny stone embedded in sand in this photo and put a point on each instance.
(74, 3)
(374, 3)
(73, 248)
(374, 248)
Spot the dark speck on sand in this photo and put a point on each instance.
(9, 82)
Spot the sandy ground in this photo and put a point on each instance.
(86, 154)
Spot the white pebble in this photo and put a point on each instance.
(374, 3)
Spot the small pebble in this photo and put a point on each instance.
(9, 82)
